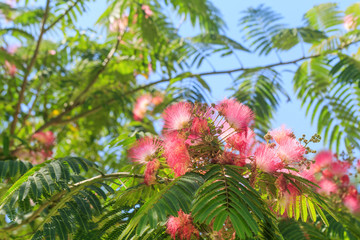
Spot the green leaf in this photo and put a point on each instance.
(6, 143)
(311, 209)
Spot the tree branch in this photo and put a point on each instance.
(28, 69)
(62, 15)
(59, 195)
(59, 121)
(31, 108)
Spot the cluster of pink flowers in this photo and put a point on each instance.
(350, 22)
(332, 176)
(143, 103)
(44, 142)
(181, 226)
(147, 10)
(197, 134)
(119, 25)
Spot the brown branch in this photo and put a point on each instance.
(60, 121)
(31, 108)
(59, 195)
(62, 15)
(28, 69)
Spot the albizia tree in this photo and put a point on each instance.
(210, 173)
(205, 177)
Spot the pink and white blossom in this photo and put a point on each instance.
(323, 159)
(237, 114)
(242, 141)
(339, 169)
(147, 10)
(266, 159)
(350, 22)
(327, 187)
(176, 154)
(280, 134)
(290, 150)
(177, 116)
(11, 68)
(144, 150)
(352, 203)
(140, 107)
(150, 171)
(47, 138)
(181, 226)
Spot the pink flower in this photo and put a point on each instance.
(327, 173)
(150, 171)
(322, 159)
(327, 187)
(199, 126)
(144, 150)
(307, 174)
(176, 154)
(243, 141)
(52, 52)
(156, 100)
(226, 130)
(34, 156)
(46, 138)
(173, 225)
(280, 134)
(352, 191)
(147, 10)
(345, 180)
(350, 22)
(150, 69)
(22, 154)
(38, 157)
(290, 150)
(119, 25)
(237, 114)
(177, 116)
(339, 169)
(140, 107)
(46, 153)
(181, 226)
(11, 68)
(352, 203)
(12, 49)
(266, 159)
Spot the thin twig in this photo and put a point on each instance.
(31, 108)
(59, 121)
(28, 69)
(62, 15)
